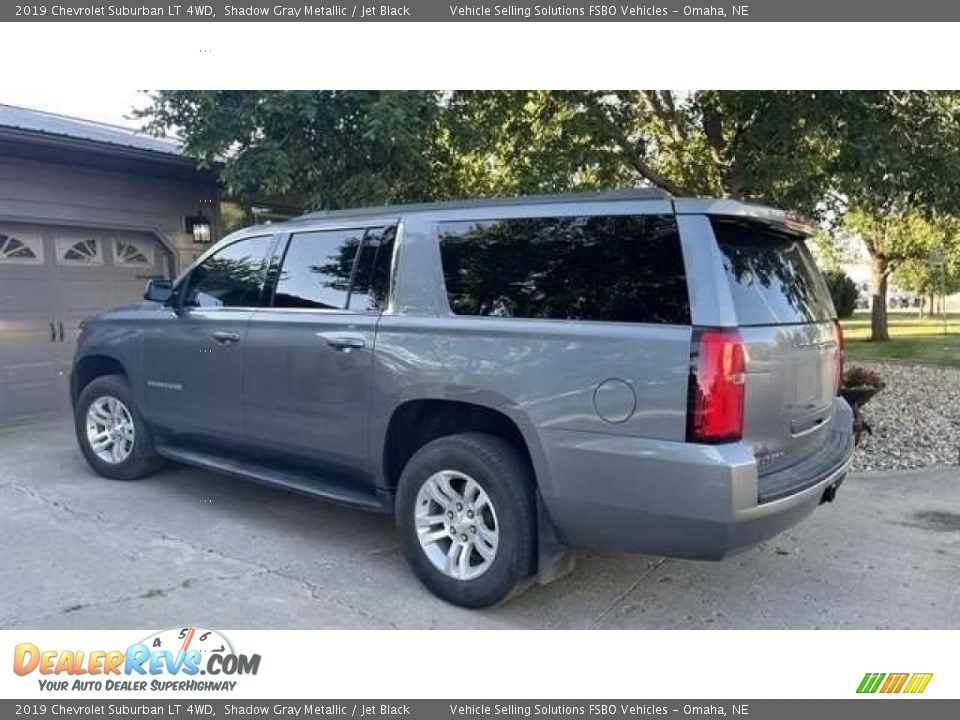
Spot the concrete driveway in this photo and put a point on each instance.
(186, 546)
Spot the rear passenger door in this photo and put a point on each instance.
(309, 353)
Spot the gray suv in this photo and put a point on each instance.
(510, 378)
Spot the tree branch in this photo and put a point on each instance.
(633, 157)
(652, 175)
(662, 105)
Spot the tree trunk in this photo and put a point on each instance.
(879, 273)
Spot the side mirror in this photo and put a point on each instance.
(158, 291)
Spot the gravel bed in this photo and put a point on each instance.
(915, 420)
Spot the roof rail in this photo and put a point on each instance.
(601, 196)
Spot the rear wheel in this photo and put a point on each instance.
(111, 434)
(466, 518)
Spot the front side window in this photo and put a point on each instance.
(317, 270)
(232, 277)
(614, 268)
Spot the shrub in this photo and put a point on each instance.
(844, 292)
(861, 377)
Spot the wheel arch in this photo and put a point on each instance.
(90, 367)
(416, 421)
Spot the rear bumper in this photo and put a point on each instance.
(678, 499)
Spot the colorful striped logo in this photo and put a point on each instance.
(894, 682)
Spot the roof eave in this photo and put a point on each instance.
(86, 145)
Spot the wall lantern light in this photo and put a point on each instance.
(200, 227)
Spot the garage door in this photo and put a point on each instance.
(50, 279)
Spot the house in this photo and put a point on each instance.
(88, 213)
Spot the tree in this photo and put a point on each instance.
(939, 272)
(325, 148)
(895, 165)
(748, 144)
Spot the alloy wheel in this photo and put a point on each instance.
(110, 429)
(457, 525)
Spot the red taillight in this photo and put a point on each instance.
(841, 352)
(718, 365)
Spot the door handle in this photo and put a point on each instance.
(226, 338)
(60, 325)
(53, 332)
(343, 342)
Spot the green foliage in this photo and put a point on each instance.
(762, 145)
(824, 248)
(899, 236)
(843, 291)
(893, 152)
(326, 148)
(336, 148)
(923, 274)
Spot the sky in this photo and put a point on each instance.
(108, 105)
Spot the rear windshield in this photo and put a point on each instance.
(607, 268)
(772, 276)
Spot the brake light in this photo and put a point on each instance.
(717, 377)
(841, 353)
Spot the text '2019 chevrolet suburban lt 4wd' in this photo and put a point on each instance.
(511, 378)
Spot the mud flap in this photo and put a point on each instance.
(554, 559)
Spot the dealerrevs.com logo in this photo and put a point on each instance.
(169, 660)
(890, 683)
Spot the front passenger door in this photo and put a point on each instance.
(193, 354)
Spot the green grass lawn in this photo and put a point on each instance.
(911, 339)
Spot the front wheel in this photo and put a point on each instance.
(467, 518)
(113, 438)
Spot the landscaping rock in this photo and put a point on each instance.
(915, 420)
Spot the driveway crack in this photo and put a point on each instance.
(595, 623)
(315, 590)
(145, 595)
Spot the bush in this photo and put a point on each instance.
(862, 377)
(844, 292)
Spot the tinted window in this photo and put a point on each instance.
(614, 268)
(317, 269)
(773, 278)
(232, 277)
(371, 280)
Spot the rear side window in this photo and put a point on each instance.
(772, 276)
(607, 268)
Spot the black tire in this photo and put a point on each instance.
(142, 459)
(505, 476)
